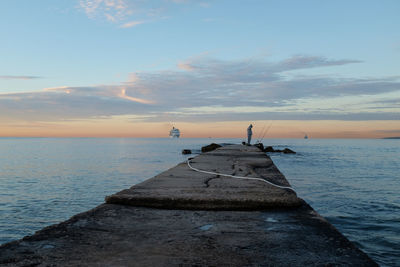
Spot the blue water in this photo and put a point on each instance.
(353, 183)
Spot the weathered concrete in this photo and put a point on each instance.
(119, 235)
(125, 235)
(183, 188)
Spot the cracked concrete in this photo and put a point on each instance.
(183, 188)
(207, 181)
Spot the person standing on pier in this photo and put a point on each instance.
(249, 134)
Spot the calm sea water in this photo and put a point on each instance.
(353, 183)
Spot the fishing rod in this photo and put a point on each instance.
(266, 131)
(261, 132)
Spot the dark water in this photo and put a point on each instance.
(353, 183)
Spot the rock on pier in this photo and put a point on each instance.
(185, 217)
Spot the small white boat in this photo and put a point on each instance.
(174, 133)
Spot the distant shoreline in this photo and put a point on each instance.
(394, 137)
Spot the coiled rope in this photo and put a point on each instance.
(238, 177)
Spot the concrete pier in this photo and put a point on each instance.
(185, 217)
(183, 188)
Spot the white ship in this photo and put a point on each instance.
(174, 133)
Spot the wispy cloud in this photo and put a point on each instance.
(123, 95)
(204, 4)
(208, 89)
(303, 62)
(18, 77)
(131, 13)
(131, 24)
(112, 10)
(71, 103)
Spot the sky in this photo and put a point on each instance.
(135, 68)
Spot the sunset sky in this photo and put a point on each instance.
(134, 68)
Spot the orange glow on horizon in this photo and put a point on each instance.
(122, 127)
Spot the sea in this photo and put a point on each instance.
(353, 183)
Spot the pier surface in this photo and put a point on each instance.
(185, 217)
(183, 188)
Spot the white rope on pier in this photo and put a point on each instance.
(238, 177)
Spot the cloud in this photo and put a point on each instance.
(303, 62)
(17, 77)
(112, 10)
(185, 66)
(392, 101)
(66, 103)
(394, 131)
(123, 95)
(131, 24)
(131, 13)
(208, 89)
(236, 83)
(269, 116)
(104, 92)
(200, 3)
